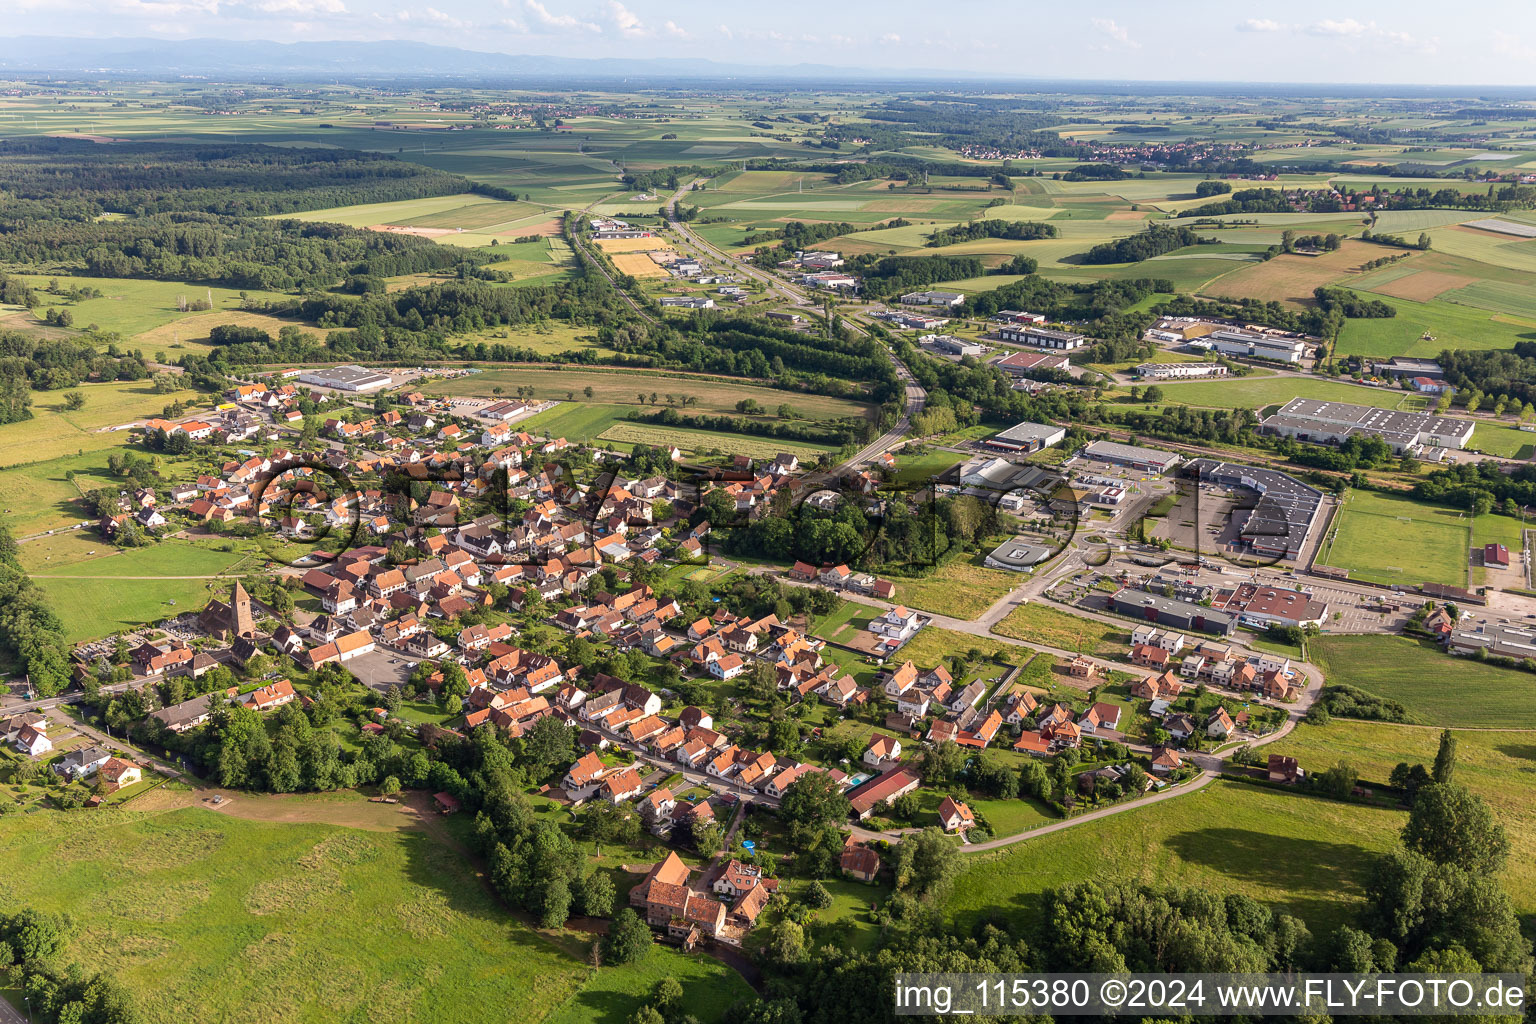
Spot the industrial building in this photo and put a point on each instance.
(1145, 460)
(1280, 521)
(951, 345)
(1020, 554)
(1180, 371)
(1027, 437)
(1319, 422)
(1185, 616)
(1042, 337)
(1232, 342)
(1022, 364)
(933, 298)
(346, 378)
(1272, 606)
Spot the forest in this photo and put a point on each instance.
(1155, 241)
(1014, 230)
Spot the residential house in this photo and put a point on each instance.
(955, 816)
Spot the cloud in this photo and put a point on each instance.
(676, 31)
(890, 39)
(1260, 25)
(1115, 32)
(1330, 27)
(725, 30)
(626, 21)
(558, 22)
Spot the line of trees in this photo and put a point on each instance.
(31, 634)
(1013, 230)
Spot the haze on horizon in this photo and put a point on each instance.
(1191, 40)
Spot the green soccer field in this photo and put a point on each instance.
(1387, 539)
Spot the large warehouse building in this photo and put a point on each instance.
(346, 378)
(1145, 460)
(1185, 616)
(1309, 419)
(1279, 522)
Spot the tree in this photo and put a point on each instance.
(74, 400)
(787, 944)
(925, 864)
(813, 802)
(389, 786)
(1339, 781)
(1445, 759)
(594, 895)
(588, 392)
(817, 897)
(941, 763)
(1449, 825)
(629, 938)
(668, 994)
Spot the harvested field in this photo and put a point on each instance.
(1291, 278)
(637, 264)
(423, 232)
(1503, 227)
(632, 244)
(1127, 215)
(1422, 285)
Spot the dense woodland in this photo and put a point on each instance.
(1155, 241)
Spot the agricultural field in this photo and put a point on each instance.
(465, 220)
(1425, 329)
(190, 333)
(1291, 278)
(54, 432)
(715, 395)
(1297, 855)
(37, 497)
(1384, 538)
(1437, 689)
(132, 307)
(1041, 623)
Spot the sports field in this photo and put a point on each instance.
(1438, 689)
(1261, 392)
(1297, 855)
(1384, 538)
(1503, 439)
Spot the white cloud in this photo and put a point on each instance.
(1260, 25)
(1346, 27)
(626, 21)
(1115, 32)
(558, 22)
(725, 30)
(676, 31)
(890, 39)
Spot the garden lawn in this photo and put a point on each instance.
(1497, 766)
(1387, 538)
(1436, 688)
(202, 916)
(1043, 624)
(1298, 855)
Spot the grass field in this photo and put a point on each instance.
(1297, 855)
(1290, 278)
(1389, 539)
(37, 498)
(1044, 624)
(962, 588)
(128, 589)
(624, 435)
(1449, 325)
(1502, 439)
(203, 916)
(1258, 392)
(1495, 765)
(131, 307)
(1436, 688)
(624, 388)
(53, 431)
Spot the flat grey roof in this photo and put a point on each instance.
(1129, 452)
(1030, 432)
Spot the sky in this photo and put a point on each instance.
(1178, 40)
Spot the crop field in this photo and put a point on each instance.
(1047, 625)
(205, 916)
(637, 264)
(624, 388)
(1388, 539)
(1493, 764)
(1437, 689)
(1497, 297)
(612, 245)
(54, 431)
(1298, 855)
(1493, 247)
(1291, 278)
(624, 434)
